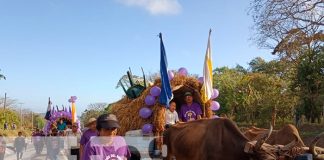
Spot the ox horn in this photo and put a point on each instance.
(312, 147)
(263, 139)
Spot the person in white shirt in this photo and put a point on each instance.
(171, 115)
(73, 139)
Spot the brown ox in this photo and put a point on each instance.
(283, 136)
(215, 139)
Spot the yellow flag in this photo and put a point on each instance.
(207, 88)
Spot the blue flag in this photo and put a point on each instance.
(166, 92)
(48, 112)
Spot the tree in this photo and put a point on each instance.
(10, 103)
(97, 106)
(227, 81)
(39, 121)
(10, 116)
(294, 30)
(287, 25)
(309, 83)
(255, 95)
(93, 110)
(2, 76)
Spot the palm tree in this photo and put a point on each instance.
(2, 76)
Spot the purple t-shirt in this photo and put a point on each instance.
(190, 113)
(37, 137)
(87, 135)
(106, 148)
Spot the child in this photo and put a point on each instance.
(171, 115)
(19, 145)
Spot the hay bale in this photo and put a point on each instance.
(127, 110)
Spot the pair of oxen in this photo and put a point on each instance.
(221, 139)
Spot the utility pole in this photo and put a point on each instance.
(5, 99)
(21, 121)
(32, 120)
(4, 107)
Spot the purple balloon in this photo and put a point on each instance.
(170, 75)
(70, 100)
(214, 105)
(74, 98)
(201, 80)
(183, 71)
(149, 100)
(155, 91)
(215, 93)
(145, 112)
(147, 128)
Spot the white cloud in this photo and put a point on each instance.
(156, 7)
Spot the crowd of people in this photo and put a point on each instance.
(62, 138)
(85, 145)
(74, 144)
(6, 126)
(99, 140)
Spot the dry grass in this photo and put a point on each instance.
(127, 110)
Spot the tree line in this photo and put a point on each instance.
(23, 118)
(290, 87)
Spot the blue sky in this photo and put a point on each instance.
(60, 48)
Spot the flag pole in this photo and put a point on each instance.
(204, 110)
(207, 74)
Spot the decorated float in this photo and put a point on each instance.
(142, 110)
(146, 113)
(53, 116)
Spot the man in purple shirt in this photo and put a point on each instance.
(191, 110)
(107, 145)
(90, 132)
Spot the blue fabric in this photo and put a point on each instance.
(48, 115)
(48, 112)
(61, 126)
(166, 92)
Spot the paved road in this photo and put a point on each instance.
(30, 154)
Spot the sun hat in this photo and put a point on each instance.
(107, 121)
(90, 121)
(188, 94)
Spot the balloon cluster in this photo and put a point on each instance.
(60, 114)
(213, 104)
(147, 128)
(72, 99)
(146, 112)
(181, 71)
